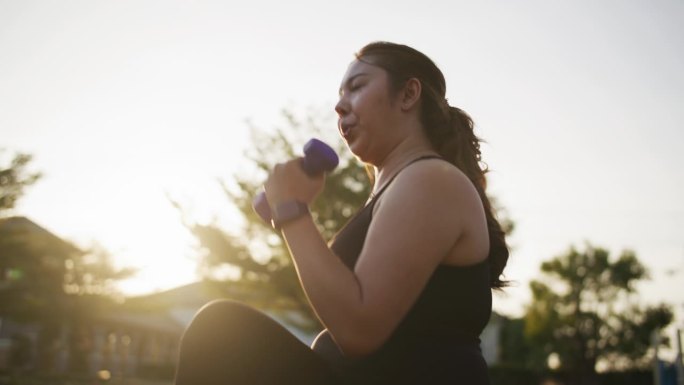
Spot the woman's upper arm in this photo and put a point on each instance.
(414, 227)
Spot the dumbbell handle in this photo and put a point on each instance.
(318, 158)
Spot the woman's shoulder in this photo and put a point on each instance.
(431, 184)
(433, 173)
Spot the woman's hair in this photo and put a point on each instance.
(449, 129)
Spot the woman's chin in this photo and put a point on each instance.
(358, 150)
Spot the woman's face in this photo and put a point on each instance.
(366, 112)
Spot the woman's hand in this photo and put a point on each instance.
(288, 181)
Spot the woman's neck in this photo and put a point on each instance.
(398, 158)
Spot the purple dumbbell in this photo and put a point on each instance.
(318, 158)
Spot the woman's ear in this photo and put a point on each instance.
(410, 94)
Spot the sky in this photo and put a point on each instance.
(125, 104)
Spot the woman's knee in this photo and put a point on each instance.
(226, 311)
(221, 316)
(230, 340)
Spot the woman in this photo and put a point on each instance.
(404, 290)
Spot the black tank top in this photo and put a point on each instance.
(438, 340)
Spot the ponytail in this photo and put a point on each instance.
(451, 133)
(456, 142)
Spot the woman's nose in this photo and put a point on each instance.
(341, 107)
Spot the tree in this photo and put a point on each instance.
(585, 310)
(14, 178)
(256, 255)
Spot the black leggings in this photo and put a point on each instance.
(230, 343)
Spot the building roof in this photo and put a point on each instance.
(22, 226)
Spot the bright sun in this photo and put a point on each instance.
(147, 233)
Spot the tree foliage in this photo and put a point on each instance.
(14, 178)
(585, 309)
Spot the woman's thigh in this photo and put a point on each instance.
(231, 343)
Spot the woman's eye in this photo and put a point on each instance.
(355, 87)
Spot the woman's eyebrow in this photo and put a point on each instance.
(351, 79)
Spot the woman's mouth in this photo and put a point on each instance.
(345, 129)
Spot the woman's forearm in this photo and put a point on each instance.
(333, 290)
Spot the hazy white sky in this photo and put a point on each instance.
(124, 102)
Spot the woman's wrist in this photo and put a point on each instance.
(287, 212)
